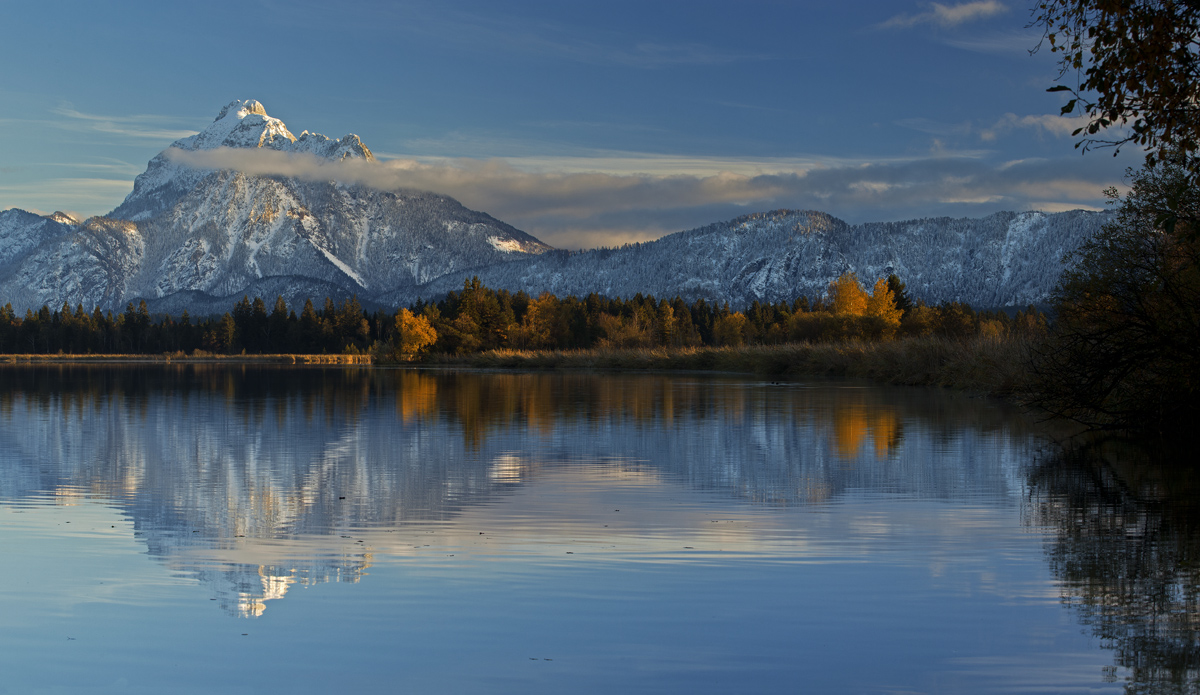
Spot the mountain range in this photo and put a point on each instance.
(193, 238)
(1003, 260)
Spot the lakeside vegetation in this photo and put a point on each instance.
(478, 319)
(993, 365)
(880, 334)
(199, 356)
(988, 364)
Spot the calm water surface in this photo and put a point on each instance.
(199, 529)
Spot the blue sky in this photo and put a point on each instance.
(584, 124)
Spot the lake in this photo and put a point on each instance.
(243, 529)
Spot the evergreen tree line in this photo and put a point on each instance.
(478, 318)
(248, 328)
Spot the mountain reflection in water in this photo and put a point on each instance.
(256, 479)
(216, 465)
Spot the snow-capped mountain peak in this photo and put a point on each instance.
(216, 229)
(242, 109)
(197, 238)
(240, 124)
(64, 218)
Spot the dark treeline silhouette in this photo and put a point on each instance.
(249, 328)
(478, 318)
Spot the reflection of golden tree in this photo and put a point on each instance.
(855, 417)
(416, 396)
(885, 431)
(538, 403)
(266, 395)
(849, 429)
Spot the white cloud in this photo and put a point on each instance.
(1058, 206)
(581, 202)
(111, 166)
(594, 208)
(147, 126)
(496, 186)
(1058, 126)
(947, 15)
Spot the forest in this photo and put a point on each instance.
(478, 318)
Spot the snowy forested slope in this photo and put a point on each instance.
(1006, 259)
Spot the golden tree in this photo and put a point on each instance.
(414, 333)
(882, 304)
(847, 297)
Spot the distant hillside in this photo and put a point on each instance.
(1005, 259)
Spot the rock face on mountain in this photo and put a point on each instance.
(196, 237)
(1006, 259)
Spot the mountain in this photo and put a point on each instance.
(1005, 259)
(196, 238)
(199, 239)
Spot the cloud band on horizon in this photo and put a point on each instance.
(586, 209)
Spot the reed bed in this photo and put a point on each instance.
(986, 364)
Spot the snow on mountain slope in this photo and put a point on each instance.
(1006, 259)
(219, 232)
(21, 232)
(89, 265)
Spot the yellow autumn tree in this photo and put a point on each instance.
(414, 333)
(882, 305)
(539, 322)
(847, 297)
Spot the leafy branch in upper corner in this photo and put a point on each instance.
(1137, 73)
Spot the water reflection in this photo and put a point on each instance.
(255, 479)
(1126, 547)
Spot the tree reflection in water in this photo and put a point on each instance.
(1125, 543)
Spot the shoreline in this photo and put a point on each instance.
(988, 365)
(185, 359)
